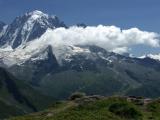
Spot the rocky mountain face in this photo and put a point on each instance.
(59, 71)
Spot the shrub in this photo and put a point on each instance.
(125, 110)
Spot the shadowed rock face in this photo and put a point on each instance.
(45, 66)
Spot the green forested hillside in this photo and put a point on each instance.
(18, 97)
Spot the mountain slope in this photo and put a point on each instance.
(17, 97)
(92, 70)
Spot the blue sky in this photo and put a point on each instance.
(144, 14)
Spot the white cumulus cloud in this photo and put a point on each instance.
(111, 38)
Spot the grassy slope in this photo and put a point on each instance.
(104, 109)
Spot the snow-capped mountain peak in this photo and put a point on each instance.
(39, 15)
(29, 27)
(36, 13)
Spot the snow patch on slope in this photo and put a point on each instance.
(3, 31)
